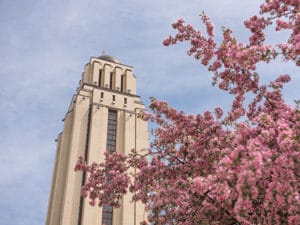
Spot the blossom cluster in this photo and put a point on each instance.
(242, 167)
(107, 181)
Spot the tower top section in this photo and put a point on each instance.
(108, 58)
(105, 72)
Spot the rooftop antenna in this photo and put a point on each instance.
(103, 52)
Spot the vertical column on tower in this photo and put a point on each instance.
(77, 143)
(97, 146)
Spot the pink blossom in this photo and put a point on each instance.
(240, 168)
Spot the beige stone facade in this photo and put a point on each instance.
(106, 85)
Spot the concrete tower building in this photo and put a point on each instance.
(102, 115)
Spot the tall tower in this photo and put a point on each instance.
(102, 116)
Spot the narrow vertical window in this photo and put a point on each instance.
(111, 130)
(111, 81)
(125, 101)
(100, 78)
(107, 211)
(122, 83)
(107, 214)
(102, 95)
(114, 98)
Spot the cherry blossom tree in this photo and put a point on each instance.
(240, 167)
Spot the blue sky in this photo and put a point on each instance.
(43, 48)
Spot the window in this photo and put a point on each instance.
(122, 83)
(125, 101)
(107, 211)
(100, 78)
(107, 214)
(114, 98)
(102, 95)
(111, 80)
